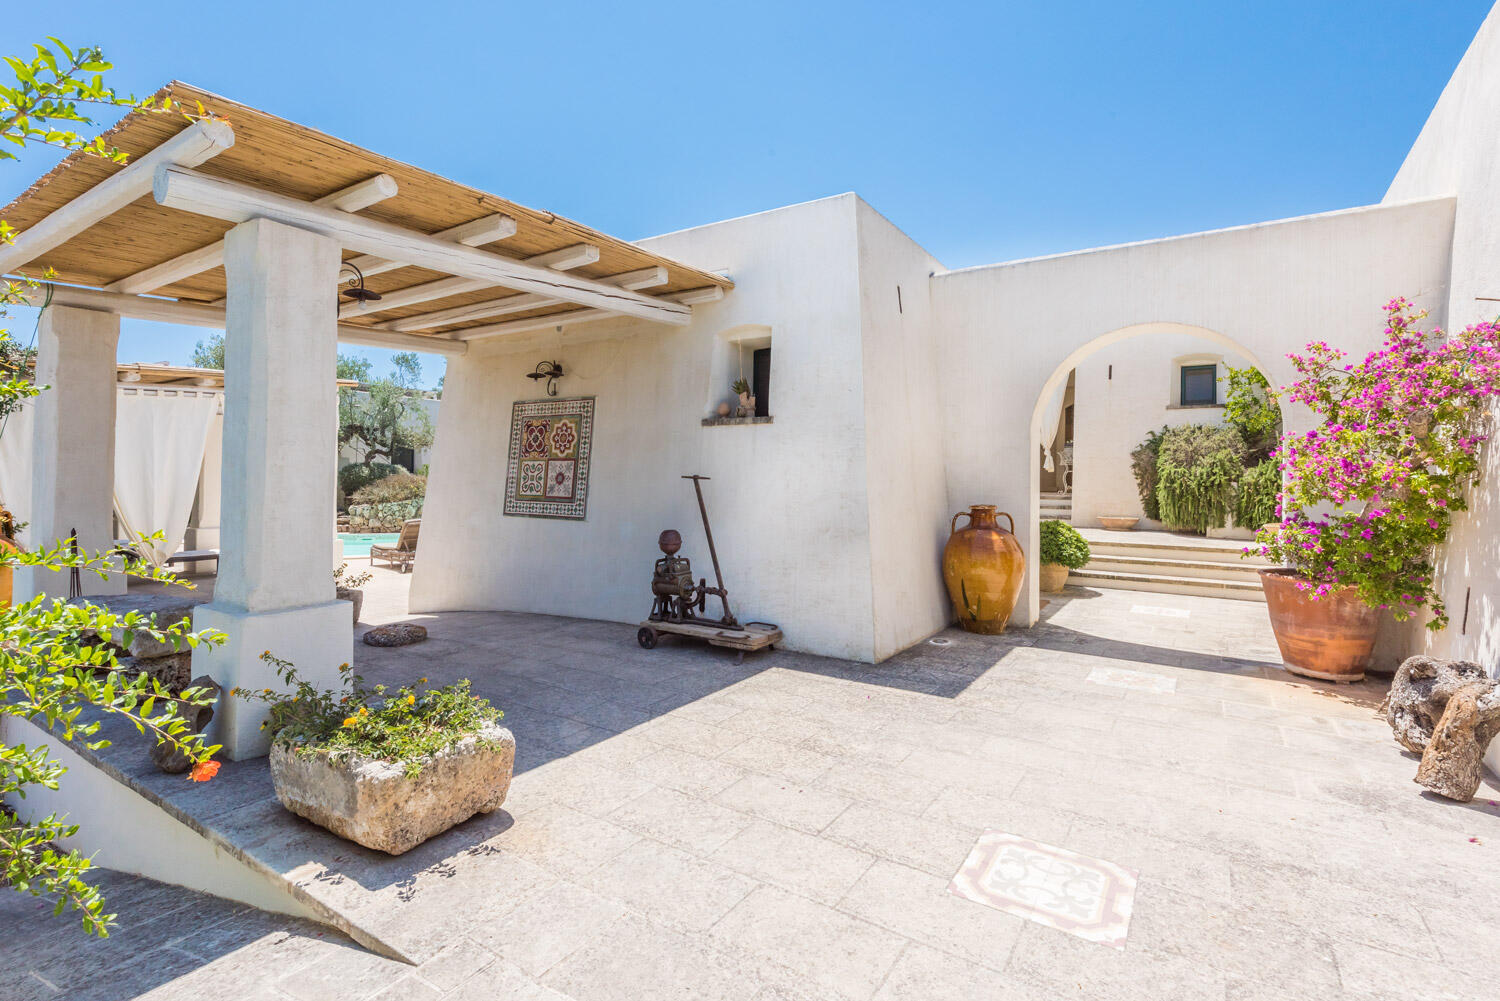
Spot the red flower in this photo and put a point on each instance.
(203, 771)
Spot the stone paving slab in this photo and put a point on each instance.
(786, 829)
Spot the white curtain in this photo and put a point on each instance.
(1051, 420)
(15, 463)
(159, 442)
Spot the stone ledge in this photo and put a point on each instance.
(716, 422)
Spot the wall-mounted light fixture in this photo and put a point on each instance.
(549, 370)
(352, 282)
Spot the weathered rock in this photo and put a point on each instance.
(376, 804)
(168, 757)
(396, 634)
(1419, 694)
(1449, 711)
(169, 608)
(173, 670)
(1451, 764)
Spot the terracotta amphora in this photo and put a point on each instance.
(983, 566)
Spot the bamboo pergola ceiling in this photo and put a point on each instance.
(461, 263)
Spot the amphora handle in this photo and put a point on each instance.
(953, 525)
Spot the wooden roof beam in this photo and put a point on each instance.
(642, 278)
(487, 229)
(188, 191)
(712, 293)
(201, 314)
(558, 260)
(195, 144)
(195, 262)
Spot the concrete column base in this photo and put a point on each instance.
(315, 638)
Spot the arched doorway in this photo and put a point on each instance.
(1045, 411)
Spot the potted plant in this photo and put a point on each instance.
(387, 768)
(8, 544)
(1397, 449)
(1063, 548)
(346, 587)
(747, 402)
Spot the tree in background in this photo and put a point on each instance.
(209, 353)
(53, 671)
(386, 415)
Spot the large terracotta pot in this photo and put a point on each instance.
(1328, 638)
(1052, 577)
(982, 566)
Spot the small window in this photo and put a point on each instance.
(760, 381)
(1200, 385)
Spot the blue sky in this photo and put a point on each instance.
(988, 131)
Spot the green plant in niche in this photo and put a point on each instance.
(1143, 465)
(740, 386)
(1198, 467)
(1062, 543)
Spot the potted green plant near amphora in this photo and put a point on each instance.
(747, 400)
(1063, 549)
(1397, 449)
(386, 768)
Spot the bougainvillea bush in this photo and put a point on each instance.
(1396, 452)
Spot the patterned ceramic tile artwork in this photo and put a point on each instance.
(1140, 681)
(1083, 896)
(547, 474)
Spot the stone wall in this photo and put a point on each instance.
(383, 517)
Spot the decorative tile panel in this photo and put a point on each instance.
(551, 444)
(1083, 896)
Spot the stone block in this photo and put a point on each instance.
(376, 804)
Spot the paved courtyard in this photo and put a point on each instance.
(788, 829)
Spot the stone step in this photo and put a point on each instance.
(1168, 584)
(1173, 565)
(1226, 551)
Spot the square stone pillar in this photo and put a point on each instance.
(275, 586)
(73, 444)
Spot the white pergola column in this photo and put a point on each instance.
(73, 444)
(275, 585)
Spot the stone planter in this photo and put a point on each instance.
(375, 804)
(1329, 638)
(1118, 522)
(1052, 577)
(354, 596)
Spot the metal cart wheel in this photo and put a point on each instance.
(646, 637)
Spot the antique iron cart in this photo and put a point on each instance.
(679, 606)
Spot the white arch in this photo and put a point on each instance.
(1031, 544)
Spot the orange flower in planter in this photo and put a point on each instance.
(203, 771)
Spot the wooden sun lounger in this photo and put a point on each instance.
(403, 554)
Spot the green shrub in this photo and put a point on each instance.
(360, 474)
(1250, 408)
(1143, 464)
(1198, 467)
(1061, 543)
(399, 486)
(1258, 494)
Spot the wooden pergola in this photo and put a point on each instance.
(240, 220)
(451, 263)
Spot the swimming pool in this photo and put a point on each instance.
(358, 543)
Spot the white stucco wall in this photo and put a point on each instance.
(1262, 290)
(908, 497)
(1458, 154)
(787, 499)
(1122, 392)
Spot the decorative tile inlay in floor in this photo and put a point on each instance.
(1083, 896)
(1140, 681)
(1171, 613)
